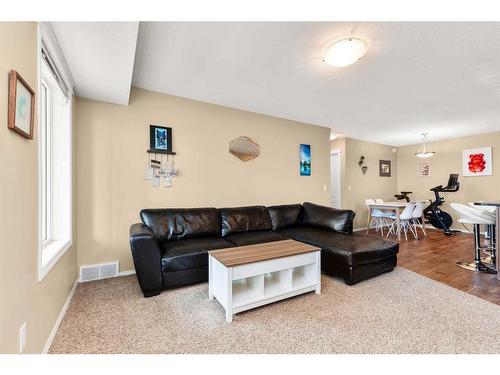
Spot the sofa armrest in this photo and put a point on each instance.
(146, 254)
(328, 217)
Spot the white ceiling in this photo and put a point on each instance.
(440, 78)
(100, 56)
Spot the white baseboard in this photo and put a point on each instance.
(59, 319)
(126, 273)
(65, 307)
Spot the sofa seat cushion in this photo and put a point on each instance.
(250, 238)
(189, 253)
(353, 249)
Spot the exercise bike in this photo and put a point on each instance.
(404, 195)
(434, 215)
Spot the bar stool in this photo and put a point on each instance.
(475, 217)
(490, 231)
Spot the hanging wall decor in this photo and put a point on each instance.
(21, 111)
(160, 139)
(305, 160)
(477, 162)
(244, 148)
(362, 165)
(424, 169)
(384, 168)
(160, 157)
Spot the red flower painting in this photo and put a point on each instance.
(477, 163)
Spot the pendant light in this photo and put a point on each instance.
(424, 150)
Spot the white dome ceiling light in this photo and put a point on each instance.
(344, 52)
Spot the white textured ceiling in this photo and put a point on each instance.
(440, 78)
(100, 56)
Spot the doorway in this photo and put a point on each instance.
(335, 178)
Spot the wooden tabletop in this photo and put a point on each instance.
(235, 256)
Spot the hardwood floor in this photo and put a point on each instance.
(436, 255)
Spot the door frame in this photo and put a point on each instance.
(337, 151)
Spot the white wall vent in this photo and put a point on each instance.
(98, 271)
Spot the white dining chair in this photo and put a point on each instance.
(417, 214)
(380, 219)
(405, 221)
(389, 215)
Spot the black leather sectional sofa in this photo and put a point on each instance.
(170, 246)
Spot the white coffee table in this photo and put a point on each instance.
(245, 277)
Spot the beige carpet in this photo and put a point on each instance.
(399, 312)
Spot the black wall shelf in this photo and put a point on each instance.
(161, 152)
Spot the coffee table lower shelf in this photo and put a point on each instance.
(251, 285)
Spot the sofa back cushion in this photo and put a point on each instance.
(285, 216)
(177, 223)
(244, 219)
(327, 217)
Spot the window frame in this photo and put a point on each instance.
(46, 163)
(50, 248)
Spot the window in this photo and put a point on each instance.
(55, 190)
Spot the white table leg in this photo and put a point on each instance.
(229, 297)
(210, 278)
(398, 223)
(318, 261)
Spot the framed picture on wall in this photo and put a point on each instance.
(160, 138)
(305, 160)
(384, 168)
(423, 169)
(21, 111)
(477, 162)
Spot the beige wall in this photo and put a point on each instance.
(356, 186)
(112, 143)
(339, 145)
(448, 159)
(359, 186)
(22, 297)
